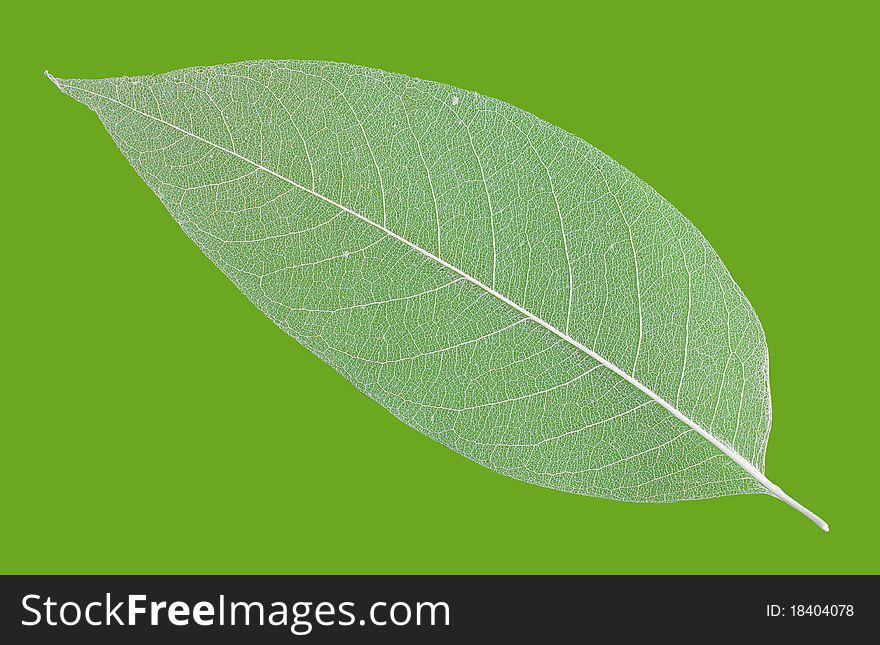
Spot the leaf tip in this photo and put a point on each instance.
(53, 79)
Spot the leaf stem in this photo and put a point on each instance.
(777, 492)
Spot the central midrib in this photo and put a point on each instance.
(741, 461)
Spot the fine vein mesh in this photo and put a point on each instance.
(242, 155)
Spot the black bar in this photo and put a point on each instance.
(500, 608)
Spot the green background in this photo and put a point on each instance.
(154, 421)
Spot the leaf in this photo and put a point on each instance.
(495, 282)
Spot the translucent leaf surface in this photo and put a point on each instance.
(494, 281)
